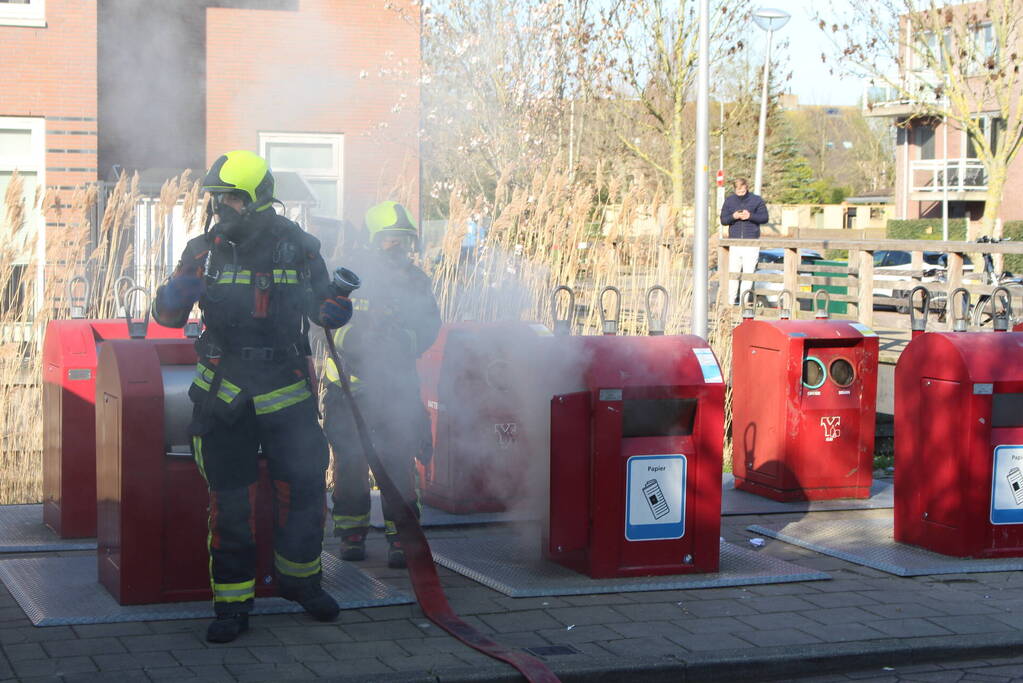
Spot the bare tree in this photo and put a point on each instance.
(949, 60)
(644, 69)
(499, 80)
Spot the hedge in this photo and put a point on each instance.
(925, 229)
(1013, 230)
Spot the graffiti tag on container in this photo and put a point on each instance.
(832, 427)
(506, 433)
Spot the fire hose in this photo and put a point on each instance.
(421, 569)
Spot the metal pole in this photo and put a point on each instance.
(699, 324)
(721, 163)
(758, 178)
(944, 194)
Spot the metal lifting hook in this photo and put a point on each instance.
(918, 325)
(563, 326)
(655, 324)
(1001, 321)
(819, 312)
(610, 325)
(122, 285)
(749, 304)
(78, 304)
(784, 312)
(136, 328)
(960, 314)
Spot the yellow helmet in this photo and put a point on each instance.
(243, 172)
(391, 219)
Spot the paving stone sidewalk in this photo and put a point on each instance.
(857, 623)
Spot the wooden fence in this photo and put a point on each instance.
(860, 277)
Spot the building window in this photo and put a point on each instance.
(23, 150)
(317, 157)
(925, 141)
(23, 13)
(992, 130)
(985, 44)
(930, 51)
(15, 283)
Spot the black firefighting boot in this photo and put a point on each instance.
(353, 547)
(227, 627)
(320, 605)
(395, 554)
(308, 592)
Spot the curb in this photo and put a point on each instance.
(761, 664)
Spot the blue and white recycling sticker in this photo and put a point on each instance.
(708, 366)
(863, 329)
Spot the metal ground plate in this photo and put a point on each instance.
(870, 542)
(57, 591)
(512, 564)
(22, 531)
(736, 502)
(435, 517)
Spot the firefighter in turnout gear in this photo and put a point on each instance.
(397, 321)
(259, 279)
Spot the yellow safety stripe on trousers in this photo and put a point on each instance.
(234, 592)
(285, 276)
(300, 570)
(197, 448)
(346, 522)
(282, 398)
(231, 277)
(329, 369)
(227, 392)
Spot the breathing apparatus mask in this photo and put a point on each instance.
(396, 248)
(230, 222)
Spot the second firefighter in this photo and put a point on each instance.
(397, 321)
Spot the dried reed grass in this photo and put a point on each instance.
(553, 233)
(24, 316)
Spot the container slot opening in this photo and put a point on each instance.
(1007, 410)
(814, 373)
(842, 372)
(658, 417)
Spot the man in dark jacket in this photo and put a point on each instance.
(259, 279)
(398, 320)
(743, 213)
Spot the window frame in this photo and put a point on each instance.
(31, 14)
(36, 162)
(335, 172)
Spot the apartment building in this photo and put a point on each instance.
(937, 163)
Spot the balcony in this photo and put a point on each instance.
(965, 179)
(913, 94)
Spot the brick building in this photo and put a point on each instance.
(325, 88)
(936, 160)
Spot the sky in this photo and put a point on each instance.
(810, 78)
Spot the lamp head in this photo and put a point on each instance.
(771, 19)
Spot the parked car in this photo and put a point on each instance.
(889, 263)
(772, 261)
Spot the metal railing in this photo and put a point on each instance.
(859, 275)
(915, 89)
(958, 175)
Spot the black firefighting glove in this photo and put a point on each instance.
(335, 312)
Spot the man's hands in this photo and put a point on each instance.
(335, 312)
(742, 215)
(181, 292)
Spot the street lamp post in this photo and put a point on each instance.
(770, 20)
(700, 200)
